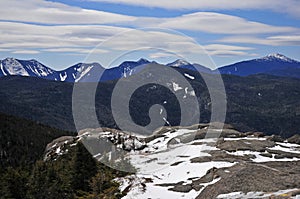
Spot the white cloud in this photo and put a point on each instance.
(285, 40)
(149, 38)
(39, 11)
(279, 40)
(47, 12)
(228, 53)
(19, 35)
(227, 50)
(158, 55)
(220, 23)
(76, 50)
(26, 52)
(225, 47)
(82, 39)
(61, 28)
(291, 7)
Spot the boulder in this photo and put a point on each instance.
(245, 145)
(295, 139)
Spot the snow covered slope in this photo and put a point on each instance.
(81, 72)
(181, 162)
(33, 68)
(11, 66)
(75, 73)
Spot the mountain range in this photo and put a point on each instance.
(255, 101)
(273, 64)
(264, 103)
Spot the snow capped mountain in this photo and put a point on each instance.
(277, 57)
(274, 64)
(128, 67)
(33, 68)
(179, 63)
(124, 70)
(11, 66)
(80, 72)
(75, 73)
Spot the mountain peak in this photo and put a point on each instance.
(178, 63)
(9, 58)
(277, 57)
(143, 60)
(15, 59)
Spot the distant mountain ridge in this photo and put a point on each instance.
(256, 103)
(75, 73)
(273, 64)
(33, 68)
(82, 71)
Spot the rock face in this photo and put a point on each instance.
(254, 177)
(200, 161)
(242, 145)
(98, 142)
(294, 139)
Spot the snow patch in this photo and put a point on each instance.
(63, 77)
(277, 56)
(82, 72)
(2, 69)
(236, 195)
(189, 76)
(178, 63)
(176, 87)
(13, 67)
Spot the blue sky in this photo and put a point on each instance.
(215, 33)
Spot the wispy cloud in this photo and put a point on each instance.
(212, 47)
(76, 50)
(19, 35)
(82, 39)
(26, 52)
(227, 50)
(221, 24)
(158, 55)
(37, 26)
(39, 11)
(279, 40)
(47, 12)
(291, 7)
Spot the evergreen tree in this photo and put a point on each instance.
(84, 168)
(13, 183)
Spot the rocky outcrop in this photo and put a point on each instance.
(253, 177)
(244, 145)
(294, 139)
(214, 161)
